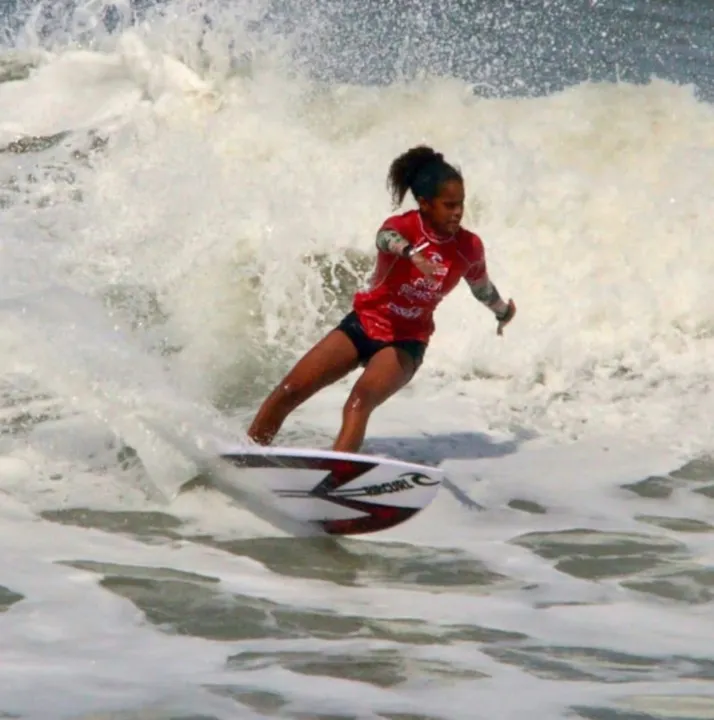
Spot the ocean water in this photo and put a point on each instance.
(188, 197)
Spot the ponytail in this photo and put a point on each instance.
(421, 170)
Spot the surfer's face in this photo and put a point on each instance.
(444, 211)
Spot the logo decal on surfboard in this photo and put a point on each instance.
(376, 517)
(391, 479)
(405, 481)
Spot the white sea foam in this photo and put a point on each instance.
(206, 228)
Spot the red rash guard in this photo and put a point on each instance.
(400, 300)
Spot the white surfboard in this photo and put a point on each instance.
(339, 493)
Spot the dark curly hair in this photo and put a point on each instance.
(421, 170)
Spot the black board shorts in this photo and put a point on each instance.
(368, 347)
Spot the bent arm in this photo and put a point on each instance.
(390, 241)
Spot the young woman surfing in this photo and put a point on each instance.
(421, 256)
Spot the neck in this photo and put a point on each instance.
(430, 231)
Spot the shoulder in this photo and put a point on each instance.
(402, 223)
(470, 245)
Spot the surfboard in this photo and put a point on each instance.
(339, 493)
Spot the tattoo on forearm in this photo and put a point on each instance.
(486, 293)
(391, 241)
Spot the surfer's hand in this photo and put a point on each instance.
(428, 267)
(505, 317)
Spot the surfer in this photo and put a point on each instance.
(421, 256)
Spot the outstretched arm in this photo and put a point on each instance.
(487, 293)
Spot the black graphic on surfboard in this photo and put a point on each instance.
(378, 502)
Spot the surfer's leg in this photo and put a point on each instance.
(388, 370)
(327, 362)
